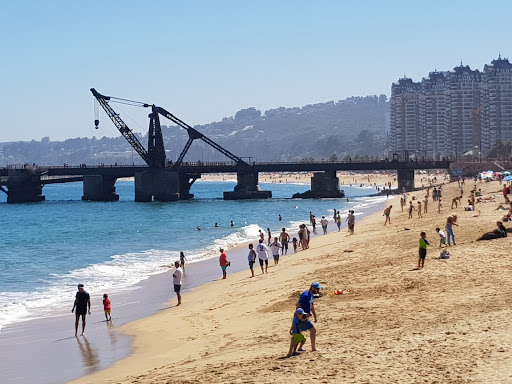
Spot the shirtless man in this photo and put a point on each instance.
(387, 213)
(425, 204)
(419, 209)
(284, 238)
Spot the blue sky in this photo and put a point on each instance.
(205, 60)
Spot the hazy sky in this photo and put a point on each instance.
(205, 60)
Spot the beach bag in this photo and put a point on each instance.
(298, 337)
(444, 255)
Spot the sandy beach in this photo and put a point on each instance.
(446, 323)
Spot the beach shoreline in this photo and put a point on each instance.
(103, 345)
(393, 315)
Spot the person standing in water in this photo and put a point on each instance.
(182, 261)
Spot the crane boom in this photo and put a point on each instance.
(195, 134)
(121, 125)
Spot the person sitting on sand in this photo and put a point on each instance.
(298, 339)
(499, 232)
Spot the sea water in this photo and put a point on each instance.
(47, 248)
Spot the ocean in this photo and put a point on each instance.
(47, 248)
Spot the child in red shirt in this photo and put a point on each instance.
(107, 307)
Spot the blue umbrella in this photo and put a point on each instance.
(507, 178)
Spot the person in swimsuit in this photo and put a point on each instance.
(284, 238)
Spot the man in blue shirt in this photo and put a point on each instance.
(306, 302)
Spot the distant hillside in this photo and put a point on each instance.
(355, 126)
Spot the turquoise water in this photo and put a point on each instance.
(110, 246)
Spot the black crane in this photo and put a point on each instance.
(155, 155)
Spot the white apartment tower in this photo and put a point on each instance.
(435, 114)
(496, 110)
(404, 115)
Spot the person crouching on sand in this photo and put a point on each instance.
(423, 250)
(386, 213)
(298, 339)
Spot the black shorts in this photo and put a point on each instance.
(423, 253)
(284, 244)
(261, 262)
(177, 288)
(81, 311)
(276, 257)
(251, 264)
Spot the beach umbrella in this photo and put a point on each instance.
(507, 178)
(497, 173)
(487, 176)
(506, 173)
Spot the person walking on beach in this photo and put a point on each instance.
(351, 219)
(107, 307)
(176, 280)
(262, 235)
(182, 261)
(82, 305)
(252, 258)
(269, 236)
(306, 302)
(425, 204)
(313, 223)
(324, 223)
(284, 238)
(423, 250)
(261, 250)
(275, 246)
(439, 205)
(305, 237)
(223, 262)
(419, 210)
(387, 213)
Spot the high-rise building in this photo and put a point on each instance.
(435, 114)
(404, 115)
(495, 112)
(453, 112)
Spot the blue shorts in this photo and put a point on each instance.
(276, 257)
(223, 268)
(306, 325)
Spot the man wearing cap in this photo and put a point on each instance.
(306, 303)
(83, 306)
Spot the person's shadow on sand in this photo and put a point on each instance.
(90, 358)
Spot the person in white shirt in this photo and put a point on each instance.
(261, 250)
(176, 279)
(324, 222)
(275, 246)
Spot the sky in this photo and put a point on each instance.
(206, 60)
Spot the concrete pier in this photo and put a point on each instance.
(99, 188)
(163, 185)
(247, 188)
(405, 179)
(323, 185)
(24, 186)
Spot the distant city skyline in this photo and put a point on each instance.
(205, 60)
(452, 112)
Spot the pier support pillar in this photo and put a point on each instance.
(405, 179)
(99, 188)
(323, 185)
(247, 188)
(163, 185)
(24, 186)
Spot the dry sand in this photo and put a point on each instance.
(447, 323)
